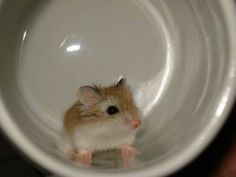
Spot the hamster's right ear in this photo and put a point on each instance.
(88, 95)
(122, 83)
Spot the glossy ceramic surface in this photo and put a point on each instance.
(177, 56)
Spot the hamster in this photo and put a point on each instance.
(103, 118)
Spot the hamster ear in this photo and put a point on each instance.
(122, 83)
(88, 95)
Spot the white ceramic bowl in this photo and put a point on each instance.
(178, 57)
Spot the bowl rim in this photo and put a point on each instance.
(42, 159)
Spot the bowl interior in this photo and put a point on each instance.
(174, 55)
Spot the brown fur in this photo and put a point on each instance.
(80, 114)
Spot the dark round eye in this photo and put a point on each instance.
(112, 110)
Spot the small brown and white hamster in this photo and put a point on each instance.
(103, 118)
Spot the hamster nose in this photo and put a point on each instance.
(135, 123)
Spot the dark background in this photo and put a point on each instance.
(13, 165)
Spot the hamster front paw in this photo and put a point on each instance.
(128, 151)
(85, 157)
(128, 155)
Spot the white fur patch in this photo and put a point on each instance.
(99, 137)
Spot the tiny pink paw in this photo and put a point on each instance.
(128, 155)
(128, 151)
(85, 157)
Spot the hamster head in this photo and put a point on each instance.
(109, 104)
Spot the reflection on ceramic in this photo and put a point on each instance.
(148, 93)
(177, 56)
(70, 44)
(24, 35)
(73, 48)
(222, 103)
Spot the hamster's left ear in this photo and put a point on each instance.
(122, 83)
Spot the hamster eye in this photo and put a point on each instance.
(112, 110)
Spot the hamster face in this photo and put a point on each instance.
(108, 104)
